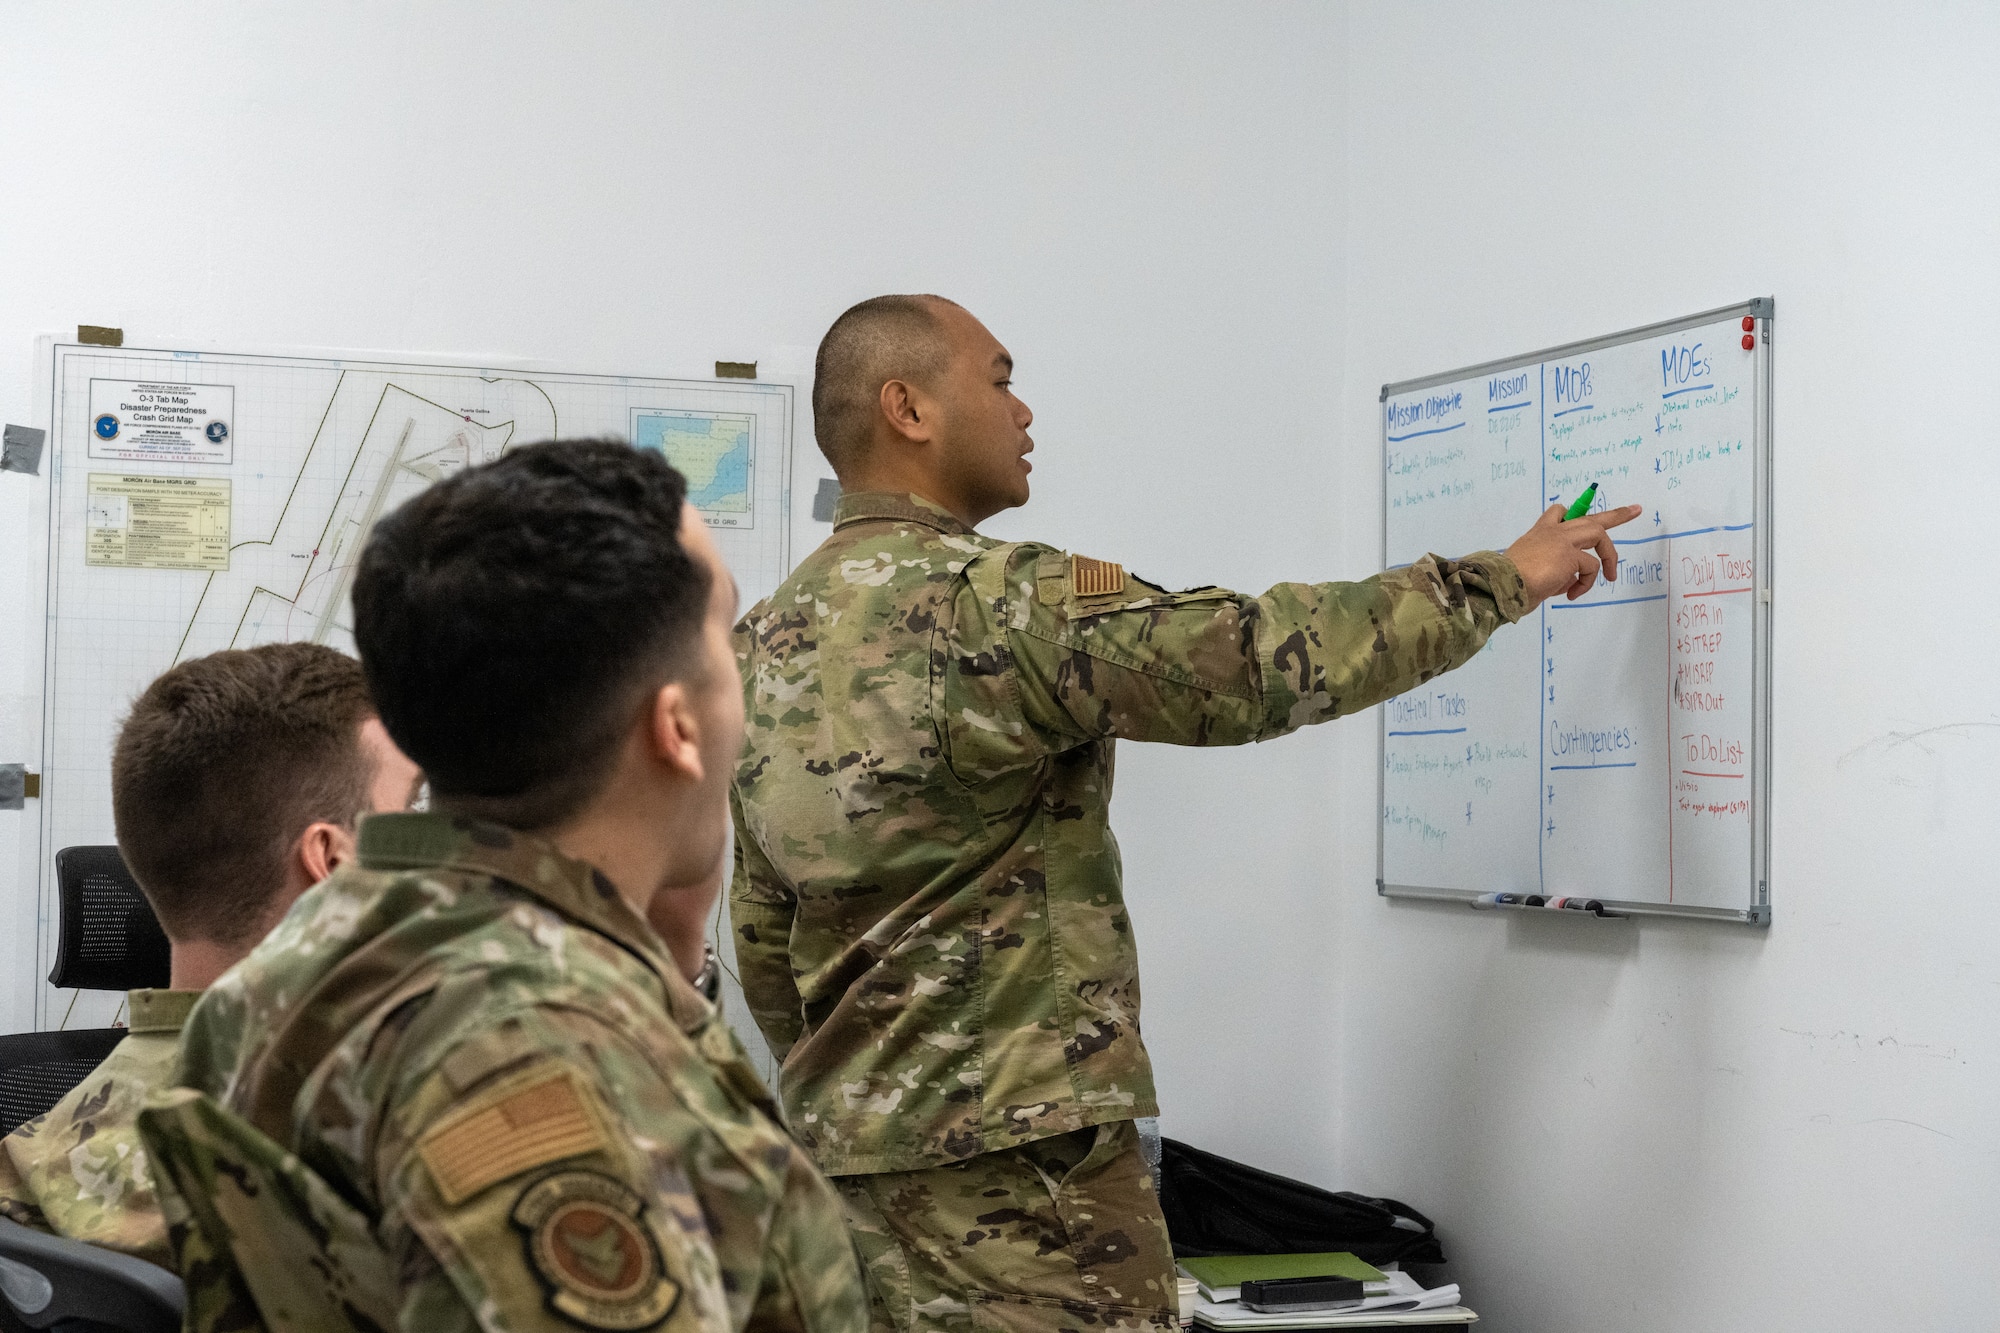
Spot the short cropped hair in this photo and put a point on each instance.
(884, 338)
(221, 765)
(511, 617)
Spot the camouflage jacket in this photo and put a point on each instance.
(927, 905)
(474, 1041)
(80, 1170)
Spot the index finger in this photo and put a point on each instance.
(1590, 529)
(1591, 532)
(1612, 518)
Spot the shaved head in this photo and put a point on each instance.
(884, 338)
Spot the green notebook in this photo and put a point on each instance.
(1225, 1272)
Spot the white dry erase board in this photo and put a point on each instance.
(1616, 747)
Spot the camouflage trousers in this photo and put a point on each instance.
(1064, 1233)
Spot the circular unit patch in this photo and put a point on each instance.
(587, 1243)
(106, 427)
(217, 431)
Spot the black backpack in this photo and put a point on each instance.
(1216, 1206)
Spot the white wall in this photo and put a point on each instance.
(1208, 236)
(1141, 203)
(1665, 1127)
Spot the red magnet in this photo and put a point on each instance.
(1749, 342)
(1749, 323)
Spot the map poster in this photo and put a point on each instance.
(140, 422)
(156, 561)
(713, 450)
(157, 522)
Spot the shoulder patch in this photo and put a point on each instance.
(522, 1128)
(587, 1242)
(1094, 578)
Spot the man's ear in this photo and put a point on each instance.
(673, 733)
(319, 849)
(908, 410)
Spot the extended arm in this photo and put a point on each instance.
(1213, 667)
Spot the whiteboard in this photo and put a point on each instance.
(1615, 747)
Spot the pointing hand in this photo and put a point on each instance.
(1554, 556)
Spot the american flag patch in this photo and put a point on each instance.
(1094, 578)
(524, 1129)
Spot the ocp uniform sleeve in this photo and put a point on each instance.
(761, 911)
(1095, 654)
(261, 1240)
(17, 1202)
(540, 1169)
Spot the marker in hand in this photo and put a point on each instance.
(1568, 549)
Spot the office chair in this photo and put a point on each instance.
(107, 936)
(107, 939)
(38, 1068)
(51, 1282)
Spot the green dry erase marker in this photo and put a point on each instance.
(1582, 505)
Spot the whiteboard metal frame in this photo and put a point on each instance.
(1758, 910)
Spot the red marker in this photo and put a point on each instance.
(1749, 323)
(1749, 342)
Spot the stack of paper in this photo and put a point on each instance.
(1236, 1319)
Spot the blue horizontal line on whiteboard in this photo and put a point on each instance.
(1435, 430)
(1692, 388)
(1435, 731)
(1623, 601)
(1567, 410)
(1691, 532)
(1554, 768)
(1508, 407)
(1623, 540)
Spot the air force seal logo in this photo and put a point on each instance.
(586, 1241)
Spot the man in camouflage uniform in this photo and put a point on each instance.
(470, 1042)
(236, 783)
(79, 1170)
(927, 902)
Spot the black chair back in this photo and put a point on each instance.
(38, 1068)
(107, 936)
(53, 1282)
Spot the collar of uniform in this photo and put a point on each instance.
(574, 888)
(159, 1010)
(865, 506)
